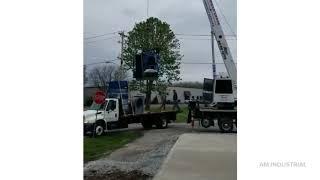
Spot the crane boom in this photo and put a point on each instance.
(221, 40)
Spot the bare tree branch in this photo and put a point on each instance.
(100, 76)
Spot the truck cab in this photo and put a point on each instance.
(99, 116)
(111, 112)
(223, 94)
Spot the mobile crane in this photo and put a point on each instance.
(224, 88)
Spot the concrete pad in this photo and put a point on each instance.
(201, 156)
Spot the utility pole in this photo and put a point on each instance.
(121, 33)
(147, 8)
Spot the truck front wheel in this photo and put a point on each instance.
(225, 125)
(162, 123)
(99, 129)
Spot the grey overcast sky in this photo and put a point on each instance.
(184, 17)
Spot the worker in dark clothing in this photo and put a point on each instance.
(175, 101)
(191, 107)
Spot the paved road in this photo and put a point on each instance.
(201, 156)
(142, 158)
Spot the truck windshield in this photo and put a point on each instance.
(223, 86)
(95, 106)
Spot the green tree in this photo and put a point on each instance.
(153, 34)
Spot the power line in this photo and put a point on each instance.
(101, 62)
(203, 39)
(200, 63)
(232, 39)
(178, 34)
(92, 37)
(191, 63)
(101, 39)
(186, 62)
(181, 34)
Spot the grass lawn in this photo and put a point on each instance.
(181, 116)
(97, 147)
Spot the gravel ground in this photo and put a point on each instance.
(142, 158)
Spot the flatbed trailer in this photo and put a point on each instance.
(148, 119)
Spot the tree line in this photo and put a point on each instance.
(188, 84)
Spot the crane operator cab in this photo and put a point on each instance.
(223, 95)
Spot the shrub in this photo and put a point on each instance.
(87, 101)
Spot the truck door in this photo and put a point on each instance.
(111, 113)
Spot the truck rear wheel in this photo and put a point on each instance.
(205, 123)
(146, 124)
(225, 125)
(162, 123)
